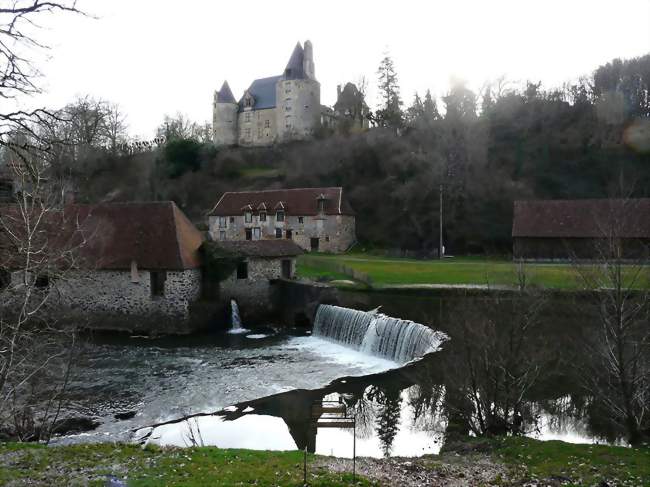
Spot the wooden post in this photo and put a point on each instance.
(440, 251)
(354, 448)
(304, 471)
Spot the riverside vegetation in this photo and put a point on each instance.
(505, 461)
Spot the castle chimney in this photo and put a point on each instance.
(308, 61)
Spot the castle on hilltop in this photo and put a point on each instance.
(274, 109)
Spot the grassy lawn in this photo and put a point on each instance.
(188, 467)
(575, 464)
(396, 271)
(524, 460)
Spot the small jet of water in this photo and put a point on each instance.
(237, 327)
(375, 311)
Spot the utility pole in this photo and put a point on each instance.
(440, 249)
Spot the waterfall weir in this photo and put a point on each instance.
(376, 334)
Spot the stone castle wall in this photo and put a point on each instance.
(224, 123)
(257, 127)
(335, 233)
(298, 108)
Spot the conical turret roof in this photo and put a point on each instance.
(224, 95)
(294, 69)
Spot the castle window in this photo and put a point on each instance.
(248, 133)
(259, 132)
(248, 217)
(247, 117)
(287, 109)
(267, 124)
(278, 233)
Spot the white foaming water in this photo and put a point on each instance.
(356, 362)
(237, 327)
(376, 334)
(258, 336)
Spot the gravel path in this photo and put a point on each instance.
(449, 470)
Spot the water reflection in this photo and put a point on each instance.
(405, 411)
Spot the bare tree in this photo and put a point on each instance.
(618, 375)
(36, 251)
(33, 355)
(18, 75)
(497, 360)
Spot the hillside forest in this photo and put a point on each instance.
(587, 139)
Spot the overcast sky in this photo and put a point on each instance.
(161, 56)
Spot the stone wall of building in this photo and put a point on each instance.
(257, 127)
(335, 233)
(112, 300)
(298, 108)
(254, 294)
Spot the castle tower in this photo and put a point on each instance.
(224, 117)
(298, 96)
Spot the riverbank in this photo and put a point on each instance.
(362, 270)
(508, 461)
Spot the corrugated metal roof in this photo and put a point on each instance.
(589, 218)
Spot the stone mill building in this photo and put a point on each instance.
(317, 219)
(277, 108)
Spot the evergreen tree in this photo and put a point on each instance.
(415, 113)
(390, 112)
(431, 113)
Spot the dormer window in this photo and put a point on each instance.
(248, 217)
(320, 203)
(249, 101)
(279, 216)
(262, 216)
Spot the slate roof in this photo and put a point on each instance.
(261, 248)
(298, 201)
(157, 235)
(263, 91)
(588, 218)
(295, 66)
(224, 95)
